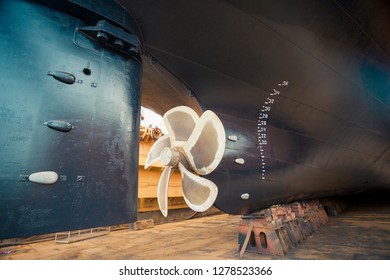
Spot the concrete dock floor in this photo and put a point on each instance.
(361, 232)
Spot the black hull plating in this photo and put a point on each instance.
(49, 72)
(303, 84)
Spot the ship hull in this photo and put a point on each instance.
(303, 85)
(302, 89)
(70, 106)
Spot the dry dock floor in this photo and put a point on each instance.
(360, 232)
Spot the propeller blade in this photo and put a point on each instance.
(162, 190)
(205, 147)
(154, 153)
(199, 193)
(180, 122)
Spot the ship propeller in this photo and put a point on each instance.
(196, 146)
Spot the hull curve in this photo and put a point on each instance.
(304, 86)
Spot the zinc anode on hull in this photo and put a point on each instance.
(303, 85)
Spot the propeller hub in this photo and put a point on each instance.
(169, 156)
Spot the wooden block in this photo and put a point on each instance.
(143, 224)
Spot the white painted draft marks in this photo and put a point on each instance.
(262, 124)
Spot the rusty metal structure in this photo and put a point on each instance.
(277, 229)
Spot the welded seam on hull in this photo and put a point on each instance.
(360, 27)
(312, 56)
(264, 91)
